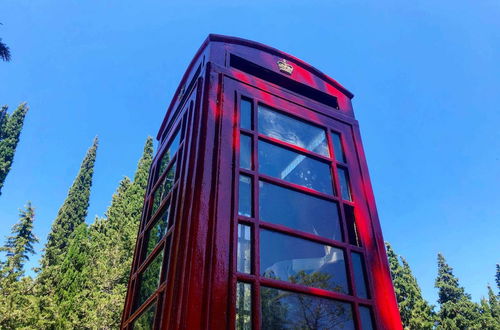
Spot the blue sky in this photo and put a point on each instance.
(425, 75)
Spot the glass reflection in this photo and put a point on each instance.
(300, 261)
(243, 264)
(344, 184)
(366, 318)
(164, 188)
(245, 151)
(169, 153)
(294, 131)
(246, 114)
(149, 280)
(146, 319)
(359, 275)
(352, 229)
(294, 167)
(243, 306)
(337, 147)
(157, 231)
(245, 196)
(299, 211)
(289, 310)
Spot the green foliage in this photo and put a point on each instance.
(10, 130)
(17, 299)
(73, 211)
(415, 312)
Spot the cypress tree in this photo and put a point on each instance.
(10, 130)
(111, 250)
(457, 311)
(415, 312)
(73, 211)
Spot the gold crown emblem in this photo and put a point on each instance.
(285, 67)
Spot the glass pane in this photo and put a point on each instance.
(299, 211)
(352, 229)
(146, 319)
(337, 147)
(149, 280)
(157, 231)
(245, 151)
(169, 153)
(294, 131)
(366, 318)
(289, 310)
(243, 306)
(294, 167)
(358, 268)
(245, 196)
(244, 249)
(344, 184)
(164, 188)
(300, 261)
(246, 114)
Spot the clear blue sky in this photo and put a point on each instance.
(426, 76)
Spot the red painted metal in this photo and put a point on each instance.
(197, 287)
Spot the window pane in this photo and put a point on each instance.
(352, 229)
(157, 231)
(299, 211)
(300, 261)
(358, 268)
(245, 151)
(344, 184)
(169, 153)
(244, 249)
(146, 319)
(294, 131)
(164, 188)
(149, 280)
(294, 167)
(245, 196)
(246, 114)
(289, 310)
(366, 318)
(243, 306)
(337, 147)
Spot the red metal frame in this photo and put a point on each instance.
(198, 279)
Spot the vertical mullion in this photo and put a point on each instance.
(256, 246)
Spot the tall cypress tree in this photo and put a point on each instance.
(73, 211)
(111, 245)
(415, 312)
(10, 130)
(457, 311)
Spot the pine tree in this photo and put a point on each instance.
(457, 311)
(415, 312)
(16, 292)
(497, 278)
(10, 130)
(19, 246)
(73, 211)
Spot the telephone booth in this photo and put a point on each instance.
(259, 212)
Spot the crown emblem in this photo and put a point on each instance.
(285, 67)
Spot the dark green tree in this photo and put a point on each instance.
(4, 51)
(457, 311)
(110, 243)
(415, 312)
(19, 246)
(16, 291)
(10, 130)
(73, 211)
(497, 278)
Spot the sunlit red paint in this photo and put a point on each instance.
(199, 290)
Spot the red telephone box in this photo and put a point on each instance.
(259, 212)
